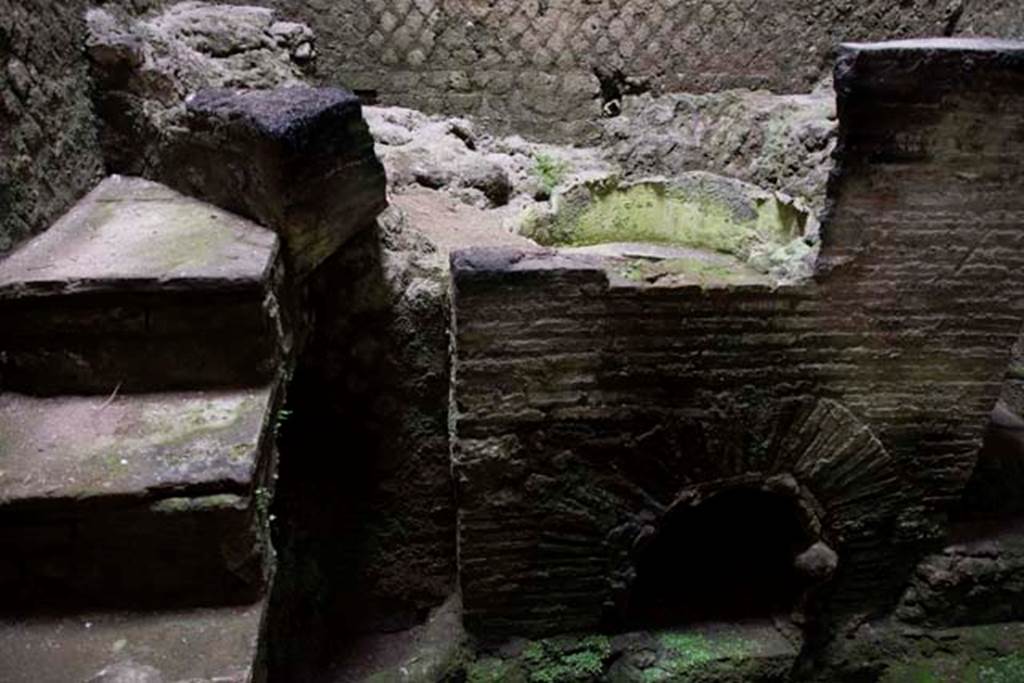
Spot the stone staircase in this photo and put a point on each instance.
(142, 354)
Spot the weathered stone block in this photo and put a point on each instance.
(144, 500)
(139, 288)
(298, 160)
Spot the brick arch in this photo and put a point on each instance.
(844, 486)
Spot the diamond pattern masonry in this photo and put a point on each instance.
(530, 66)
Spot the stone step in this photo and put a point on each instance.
(140, 500)
(199, 645)
(139, 288)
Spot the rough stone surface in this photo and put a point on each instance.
(450, 224)
(210, 100)
(140, 288)
(870, 386)
(199, 646)
(146, 67)
(506, 174)
(299, 160)
(779, 142)
(147, 499)
(44, 88)
(891, 652)
(977, 579)
(437, 154)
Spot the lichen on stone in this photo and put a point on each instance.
(684, 653)
(566, 660)
(181, 505)
(769, 233)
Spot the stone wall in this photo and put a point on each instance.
(588, 403)
(533, 66)
(49, 154)
(548, 67)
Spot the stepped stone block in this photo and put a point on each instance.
(299, 160)
(141, 288)
(143, 499)
(145, 647)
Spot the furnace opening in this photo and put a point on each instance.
(729, 558)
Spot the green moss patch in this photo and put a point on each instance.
(549, 171)
(686, 654)
(696, 211)
(691, 271)
(493, 670)
(566, 660)
(950, 669)
(733, 654)
(563, 659)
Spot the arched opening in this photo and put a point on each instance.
(728, 558)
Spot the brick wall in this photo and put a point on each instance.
(586, 405)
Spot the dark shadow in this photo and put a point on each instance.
(996, 487)
(365, 518)
(729, 558)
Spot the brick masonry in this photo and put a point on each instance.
(586, 405)
(530, 66)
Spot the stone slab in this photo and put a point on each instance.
(140, 499)
(299, 160)
(201, 645)
(62, 450)
(133, 232)
(141, 288)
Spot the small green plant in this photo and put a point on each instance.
(685, 654)
(489, 670)
(280, 418)
(1008, 669)
(549, 171)
(263, 500)
(567, 660)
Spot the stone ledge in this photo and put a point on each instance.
(196, 645)
(136, 499)
(141, 288)
(130, 232)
